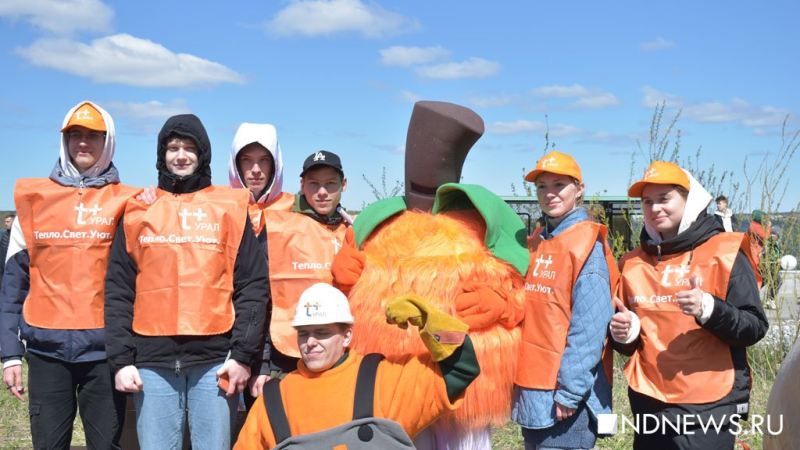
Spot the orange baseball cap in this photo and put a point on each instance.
(660, 172)
(86, 116)
(555, 162)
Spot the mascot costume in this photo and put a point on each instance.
(457, 245)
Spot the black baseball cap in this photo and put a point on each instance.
(322, 158)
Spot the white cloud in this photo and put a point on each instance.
(326, 17)
(737, 111)
(558, 91)
(658, 44)
(407, 97)
(61, 17)
(527, 126)
(653, 98)
(410, 56)
(128, 60)
(493, 101)
(615, 140)
(152, 110)
(472, 68)
(597, 101)
(586, 98)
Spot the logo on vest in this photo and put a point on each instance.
(680, 276)
(542, 272)
(545, 273)
(336, 245)
(199, 223)
(316, 312)
(83, 218)
(319, 156)
(199, 220)
(94, 219)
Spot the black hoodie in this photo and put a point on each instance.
(738, 321)
(250, 282)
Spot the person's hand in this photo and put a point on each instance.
(563, 412)
(620, 321)
(127, 379)
(148, 195)
(237, 374)
(479, 306)
(12, 377)
(348, 263)
(691, 301)
(256, 384)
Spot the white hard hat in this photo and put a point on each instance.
(788, 262)
(322, 304)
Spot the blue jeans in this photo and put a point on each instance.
(166, 395)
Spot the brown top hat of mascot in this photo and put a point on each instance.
(439, 137)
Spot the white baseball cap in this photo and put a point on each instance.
(322, 304)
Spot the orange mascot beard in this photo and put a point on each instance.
(434, 256)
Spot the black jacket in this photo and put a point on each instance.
(738, 321)
(250, 283)
(3, 252)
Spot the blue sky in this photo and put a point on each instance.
(342, 75)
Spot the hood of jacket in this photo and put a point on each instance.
(266, 135)
(185, 126)
(102, 172)
(696, 226)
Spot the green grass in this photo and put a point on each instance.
(15, 428)
(764, 361)
(764, 365)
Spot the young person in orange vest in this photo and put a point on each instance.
(301, 246)
(256, 163)
(564, 375)
(52, 296)
(339, 399)
(689, 310)
(186, 290)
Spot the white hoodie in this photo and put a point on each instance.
(103, 162)
(266, 135)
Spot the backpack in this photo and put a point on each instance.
(363, 432)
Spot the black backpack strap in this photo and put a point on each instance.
(365, 386)
(275, 411)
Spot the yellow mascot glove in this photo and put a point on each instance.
(442, 334)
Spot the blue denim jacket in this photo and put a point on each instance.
(581, 378)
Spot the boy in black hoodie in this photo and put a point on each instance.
(185, 292)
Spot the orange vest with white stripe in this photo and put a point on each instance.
(677, 361)
(185, 247)
(554, 268)
(301, 252)
(283, 202)
(68, 232)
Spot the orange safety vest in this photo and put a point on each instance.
(554, 268)
(301, 252)
(283, 202)
(68, 232)
(677, 361)
(185, 247)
